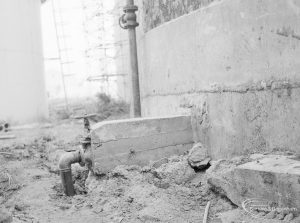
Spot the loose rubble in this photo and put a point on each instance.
(174, 189)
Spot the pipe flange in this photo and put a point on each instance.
(130, 8)
(129, 18)
(65, 170)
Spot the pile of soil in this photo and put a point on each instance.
(168, 190)
(172, 192)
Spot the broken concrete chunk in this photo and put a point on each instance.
(203, 164)
(274, 179)
(197, 153)
(198, 157)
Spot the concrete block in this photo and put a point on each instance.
(273, 178)
(139, 141)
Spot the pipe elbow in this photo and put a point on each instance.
(64, 164)
(68, 159)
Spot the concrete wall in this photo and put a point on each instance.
(157, 12)
(233, 64)
(22, 90)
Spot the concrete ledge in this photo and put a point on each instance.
(141, 140)
(273, 178)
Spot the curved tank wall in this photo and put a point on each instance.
(22, 88)
(234, 65)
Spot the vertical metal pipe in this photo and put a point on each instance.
(64, 165)
(130, 18)
(67, 182)
(136, 103)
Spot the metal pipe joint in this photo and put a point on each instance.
(83, 156)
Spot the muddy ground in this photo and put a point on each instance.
(165, 191)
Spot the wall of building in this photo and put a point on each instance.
(22, 88)
(157, 12)
(234, 65)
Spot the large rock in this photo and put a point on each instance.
(273, 178)
(198, 157)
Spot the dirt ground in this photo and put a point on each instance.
(165, 191)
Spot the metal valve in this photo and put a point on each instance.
(128, 19)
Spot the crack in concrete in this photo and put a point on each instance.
(288, 31)
(145, 150)
(241, 89)
(136, 137)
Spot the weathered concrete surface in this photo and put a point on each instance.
(235, 65)
(141, 140)
(273, 178)
(157, 12)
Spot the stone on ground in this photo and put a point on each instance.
(198, 157)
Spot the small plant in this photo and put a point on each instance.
(109, 107)
(63, 114)
(103, 98)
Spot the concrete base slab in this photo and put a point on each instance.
(239, 215)
(272, 178)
